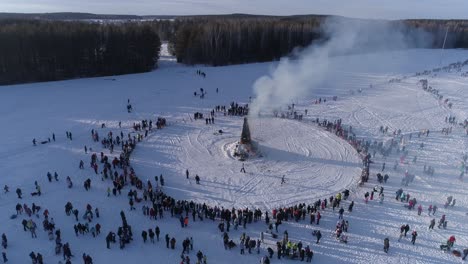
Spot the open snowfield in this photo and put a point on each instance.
(316, 163)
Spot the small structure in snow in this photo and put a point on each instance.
(245, 148)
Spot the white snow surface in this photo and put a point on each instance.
(316, 163)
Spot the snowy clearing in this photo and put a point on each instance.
(317, 164)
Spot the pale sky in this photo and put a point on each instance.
(384, 9)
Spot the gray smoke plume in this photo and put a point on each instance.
(296, 78)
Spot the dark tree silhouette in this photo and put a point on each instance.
(36, 50)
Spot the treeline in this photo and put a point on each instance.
(67, 16)
(64, 16)
(233, 39)
(241, 39)
(455, 30)
(43, 50)
(37, 50)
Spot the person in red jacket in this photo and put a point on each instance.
(451, 241)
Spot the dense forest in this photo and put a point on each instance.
(37, 50)
(456, 31)
(77, 16)
(50, 48)
(64, 16)
(241, 39)
(233, 39)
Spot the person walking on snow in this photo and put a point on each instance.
(319, 236)
(4, 241)
(413, 237)
(381, 198)
(167, 240)
(386, 244)
(402, 232)
(341, 211)
(407, 228)
(157, 231)
(432, 224)
(441, 221)
(243, 168)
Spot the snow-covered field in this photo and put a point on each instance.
(316, 163)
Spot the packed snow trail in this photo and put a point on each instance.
(316, 163)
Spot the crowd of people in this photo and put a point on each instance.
(156, 204)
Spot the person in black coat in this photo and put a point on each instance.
(319, 236)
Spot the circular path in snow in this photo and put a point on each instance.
(315, 163)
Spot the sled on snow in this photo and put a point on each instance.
(446, 247)
(219, 132)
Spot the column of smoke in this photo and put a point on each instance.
(296, 78)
